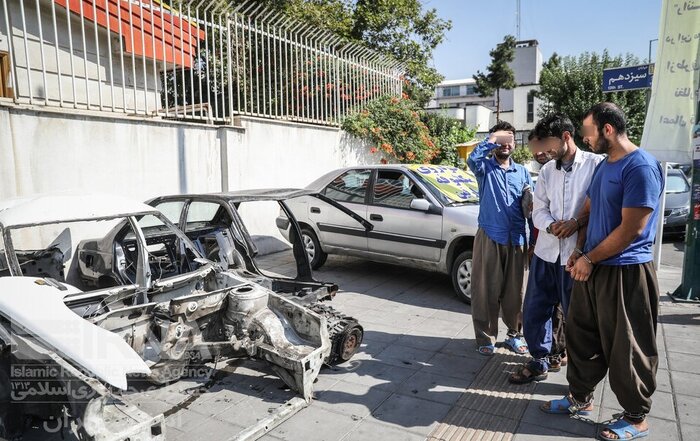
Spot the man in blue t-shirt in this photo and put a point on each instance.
(611, 324)
(499, 252)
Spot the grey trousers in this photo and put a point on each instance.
(611, 328)
(498, 272)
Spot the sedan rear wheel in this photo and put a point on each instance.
(313, 248)
(462, 277)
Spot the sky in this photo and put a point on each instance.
(567, 27)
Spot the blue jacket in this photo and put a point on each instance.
(500, 193)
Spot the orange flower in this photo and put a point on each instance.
(410, 156)
(373, 150)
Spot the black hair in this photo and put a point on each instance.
(531, 135)
(553, 126)
(608, 113)
(503, 125)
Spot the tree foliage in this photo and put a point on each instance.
(400, 28)
(498, 74)
(571, 85)
(399, 130)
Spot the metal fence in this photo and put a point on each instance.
(192, 60)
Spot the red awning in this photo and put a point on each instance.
(151, 29)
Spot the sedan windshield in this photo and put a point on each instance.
(449, 184)
(676, 184)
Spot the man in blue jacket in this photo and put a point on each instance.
(499, 256)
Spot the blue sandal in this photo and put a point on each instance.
(564, 406)
(487, 350)
(516, 344)
(622, 428)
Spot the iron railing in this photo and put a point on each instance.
(192, 60)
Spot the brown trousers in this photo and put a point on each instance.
(497, 285)
(611, 328)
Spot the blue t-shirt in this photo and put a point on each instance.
(500, 195)
(634, 181)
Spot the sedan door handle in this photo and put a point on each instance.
(315, 210)
(376, 217)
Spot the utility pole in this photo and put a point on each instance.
(517, 17)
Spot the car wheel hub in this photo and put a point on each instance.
(309, 246)
(464, 277)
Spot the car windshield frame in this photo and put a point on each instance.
(146, 282)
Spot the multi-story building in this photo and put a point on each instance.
(459, 99)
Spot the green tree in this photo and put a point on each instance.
(499, 75)
(571, 85)
(400, 28)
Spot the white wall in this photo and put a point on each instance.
(45, 151)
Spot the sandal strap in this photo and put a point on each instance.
(621, 428)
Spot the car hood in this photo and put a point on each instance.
(37, 308)
(677, 200)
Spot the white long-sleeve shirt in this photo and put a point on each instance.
(560, 195)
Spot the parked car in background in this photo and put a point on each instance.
(677, 207)
(424, 216)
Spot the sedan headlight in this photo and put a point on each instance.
(684, 211)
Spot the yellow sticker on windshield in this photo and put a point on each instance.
(457, 184)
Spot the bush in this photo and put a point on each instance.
(522, 154)
(447, 133)
(400, 129)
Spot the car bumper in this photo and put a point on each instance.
(675, 224)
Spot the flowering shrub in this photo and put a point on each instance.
(399, 130)
(394, 128)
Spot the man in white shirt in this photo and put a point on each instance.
(559, 196)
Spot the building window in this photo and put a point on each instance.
(5, 89)
(471, 89)
(450, 91)
(531, 107)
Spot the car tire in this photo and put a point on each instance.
(317, 257)
(462, 276)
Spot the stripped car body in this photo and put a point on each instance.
(155, 325)
(223, 237)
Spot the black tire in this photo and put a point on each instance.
(317, 257)
(462, 276)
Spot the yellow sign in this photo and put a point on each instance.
(458, 185)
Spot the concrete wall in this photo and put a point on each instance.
(45, 151)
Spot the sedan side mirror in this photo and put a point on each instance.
(420, 204)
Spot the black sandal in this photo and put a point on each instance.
(526, 374)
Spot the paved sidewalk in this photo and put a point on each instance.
(419, 371)
(418, 374)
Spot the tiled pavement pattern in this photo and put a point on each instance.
(418, 374)
(491, 407)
